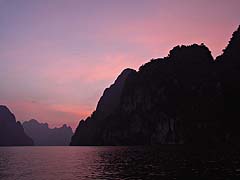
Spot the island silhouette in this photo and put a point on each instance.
(11, 131)
(42, 135)
(29, 133)
(187, 97)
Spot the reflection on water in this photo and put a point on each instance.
(87, 163)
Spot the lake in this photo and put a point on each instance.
(87, 163)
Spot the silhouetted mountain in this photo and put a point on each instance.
(228, 68)
(42, 135)
(184, 98)
(12, 132)
(110, 99)
(87, 131)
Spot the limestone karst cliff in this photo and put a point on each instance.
(11, 131)
(88, 131)
(184, 98)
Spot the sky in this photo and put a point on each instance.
(58, 56)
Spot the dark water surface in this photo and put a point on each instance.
(87, 163)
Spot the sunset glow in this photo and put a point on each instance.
(56, 58)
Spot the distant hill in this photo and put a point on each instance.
(12, 132)
(42, 135)
(184, 98)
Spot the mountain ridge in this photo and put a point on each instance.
(184, 98)
(42, 135)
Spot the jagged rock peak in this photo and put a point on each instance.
(33, 121)
(111, 96)
(3, 107)
(45, 136)
(191, 54)
(6, 114)
(123, 75)
(234, 43)
(230, 54)
(12, 132)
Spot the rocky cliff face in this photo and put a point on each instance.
(167, 101)
(12, 132)
(228, 68)
(111, 97)
(88, 131)
(42, 135)
(186, 97)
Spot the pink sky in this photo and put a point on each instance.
(58, 56)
